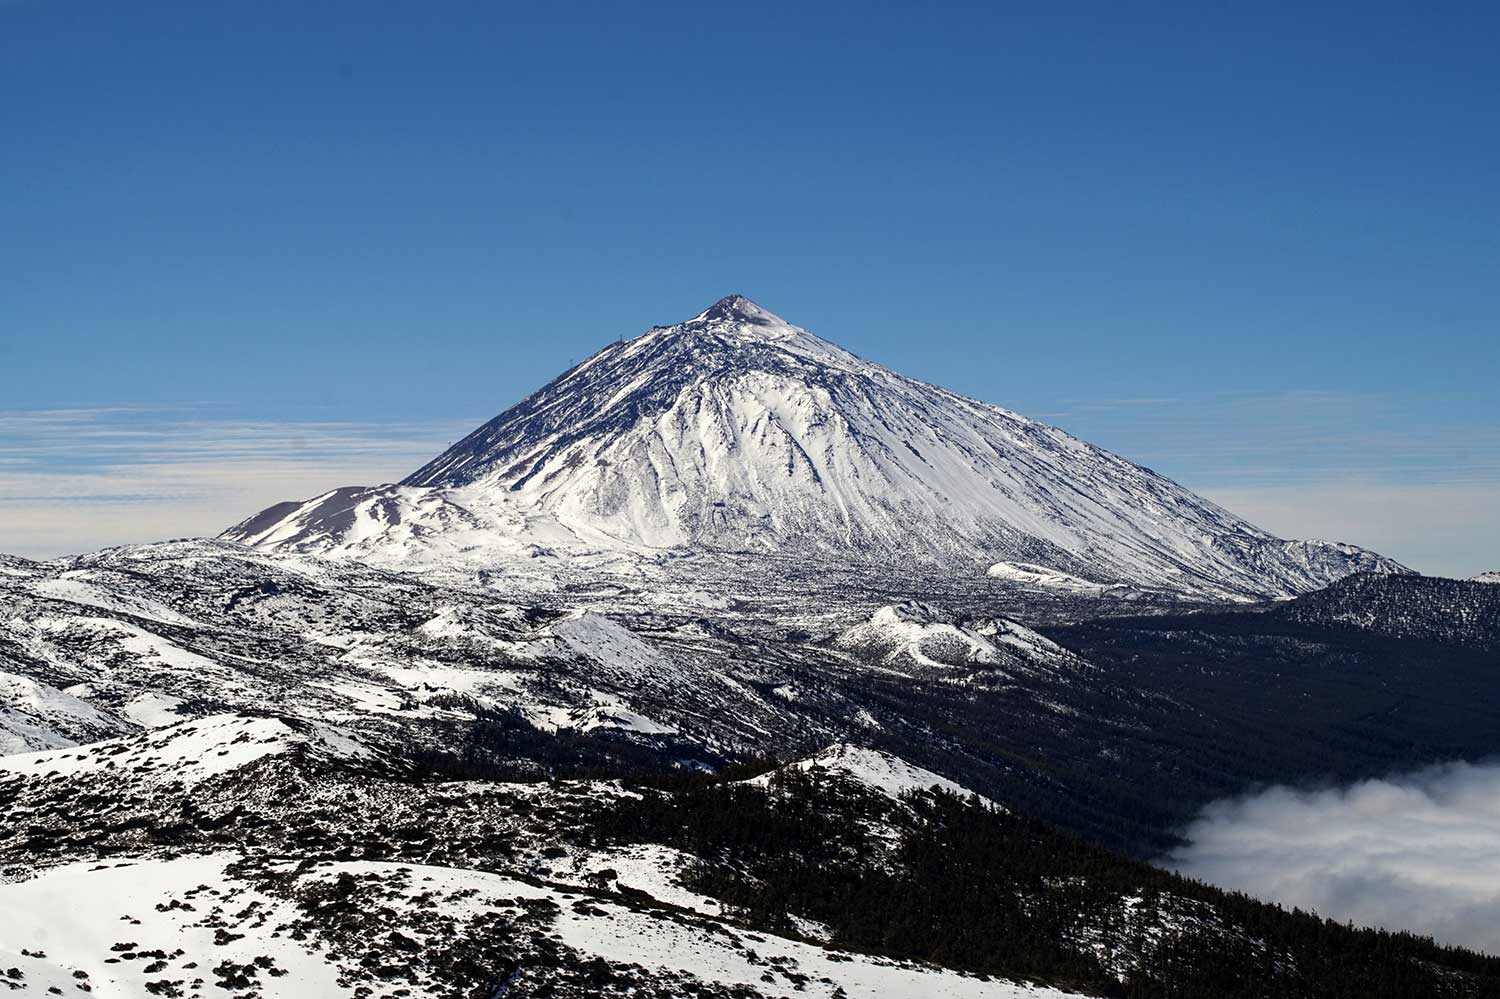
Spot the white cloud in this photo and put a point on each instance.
(1419, 851)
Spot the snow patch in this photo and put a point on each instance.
(77, 915)
(1041, 576)
(884, 773)
(35, 716)
(74, 587)
(153, 709)
(188, 752)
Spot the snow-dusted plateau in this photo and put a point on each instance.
(726, 664)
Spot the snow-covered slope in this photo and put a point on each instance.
(883, 773)
(1042, 578)
(37, 716)
(1486, 577)
(257, 856)
(915, 636)
(90, 916)
(188, 752)
(737, 431)
(146, 637)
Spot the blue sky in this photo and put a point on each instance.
(249, 247)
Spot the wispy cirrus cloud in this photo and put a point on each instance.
(72, 480)
(1290, 437)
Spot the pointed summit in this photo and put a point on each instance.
(738, 309)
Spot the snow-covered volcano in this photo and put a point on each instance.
(737, 431)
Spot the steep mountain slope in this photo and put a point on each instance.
(737, 431)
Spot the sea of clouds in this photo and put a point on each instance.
(1418, 851)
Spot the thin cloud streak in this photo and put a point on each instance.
(1289, 438)
(77, 480)
(1327, 464)
(1442, 528)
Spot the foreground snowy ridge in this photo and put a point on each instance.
(883, 773)
(138, 929)
(738, 432)
(163, 922)
(188, 752)
(262, 852)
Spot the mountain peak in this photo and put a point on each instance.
(737, 309)
(736, 431)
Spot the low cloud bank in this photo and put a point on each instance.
(1419, 851)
